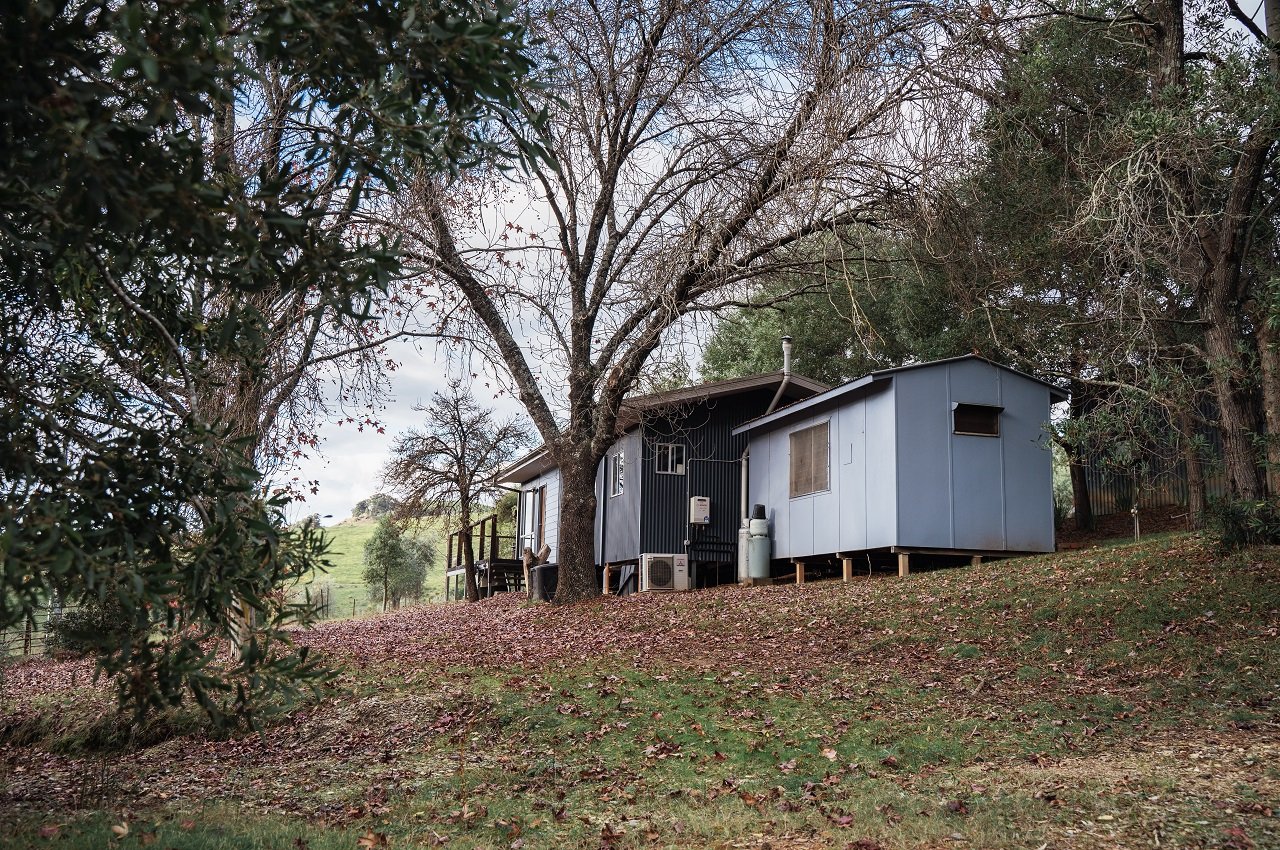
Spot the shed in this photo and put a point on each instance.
(673, 446)
(949, 457)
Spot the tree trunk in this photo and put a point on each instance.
(468, 555)
(1082, 502)
(1269, 367)
(1196, 501)
(1235, 414)
(576, 549)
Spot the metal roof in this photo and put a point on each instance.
(538, 461)
(868, 383)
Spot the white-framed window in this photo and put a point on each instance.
(811, 459)
(668, 458)
(976, 420)
(617, 473)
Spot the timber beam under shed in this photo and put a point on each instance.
(975, 556)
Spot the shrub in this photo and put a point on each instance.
(80, 630)
(1237, 524)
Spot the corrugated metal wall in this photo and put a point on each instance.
(1112, 491)
(711, 470)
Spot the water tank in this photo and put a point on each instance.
(759, 546)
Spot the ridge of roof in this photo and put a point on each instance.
(713, 389)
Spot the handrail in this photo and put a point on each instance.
(492, 545)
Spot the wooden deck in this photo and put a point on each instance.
(497, 561)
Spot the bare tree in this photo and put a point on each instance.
(452, 463)
(685, 148)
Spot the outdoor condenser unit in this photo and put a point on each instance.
(664, 572)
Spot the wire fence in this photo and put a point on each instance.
(33, 636)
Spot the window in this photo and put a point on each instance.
(535, 517)
(810, 464)
(669, 458)
(617, 474)
(979, 420)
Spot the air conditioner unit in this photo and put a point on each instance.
(664, 572)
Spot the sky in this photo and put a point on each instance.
(349, 462)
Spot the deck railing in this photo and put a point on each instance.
(487, 544)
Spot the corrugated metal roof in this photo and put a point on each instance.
(538, 461)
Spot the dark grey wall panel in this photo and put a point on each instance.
(621, 513)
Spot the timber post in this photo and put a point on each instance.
(975, 561)
(847, 564)
(904, 564)
(608, 572)
(799, 572)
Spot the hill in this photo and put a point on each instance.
(344, 579)
(1123, 697)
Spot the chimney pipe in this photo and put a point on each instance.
(786, 379)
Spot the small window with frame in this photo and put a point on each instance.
(617, 473)
(668, 458)
(810, 460)
(976, 420)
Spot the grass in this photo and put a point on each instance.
(344, 579)
(1118, 697)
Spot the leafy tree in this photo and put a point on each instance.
(453, 462)
(376, 506)
(395, 565)
(861, 317)
(123, 224)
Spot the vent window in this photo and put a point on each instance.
(669, 458)
(810, 460)
(978, 420)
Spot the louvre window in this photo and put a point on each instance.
(810, 465)
(617, 474)
(979, 420)
(669, 458)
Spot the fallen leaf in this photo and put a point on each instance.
(372, 839)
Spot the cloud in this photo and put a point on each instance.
(349, 463)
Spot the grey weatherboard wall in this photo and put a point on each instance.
(900, 477)
(551, 520)
(617, 525)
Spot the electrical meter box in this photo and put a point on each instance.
(700, 510)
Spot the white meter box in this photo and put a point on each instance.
(700, 510)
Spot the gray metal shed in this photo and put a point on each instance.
(949, 456)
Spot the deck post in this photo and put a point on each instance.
(799, 572)
(975, 561)
(904, 564)
(448, 561)
(608, 571)
(847, 563)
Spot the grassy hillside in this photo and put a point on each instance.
(1107, 698)
(349, 595)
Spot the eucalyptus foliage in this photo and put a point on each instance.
(120, 221)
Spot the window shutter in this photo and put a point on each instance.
(809, 460)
